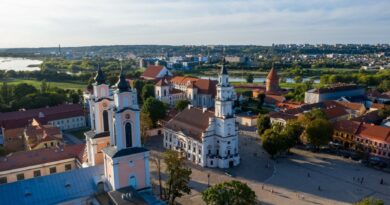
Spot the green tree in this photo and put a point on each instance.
(182, 104)
(260, 99)
(263, 123)
(384, 86)
(370, 201)
(147, 91)
(272, 142)
(178, 176)
(384, 112)
(249, 78)
(298, 79)
(6, 93)
(318, 132)
(154, 108)
(231, 193)
(292, 133)
(23, 89)
(44, 86)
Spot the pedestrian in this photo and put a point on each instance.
(262, 187)
(308, 174)
(319, 188)
(381, 181)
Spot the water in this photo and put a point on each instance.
(258, 79)
(18, 64)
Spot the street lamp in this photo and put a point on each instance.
(208, 179)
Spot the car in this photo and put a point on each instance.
(227, 173)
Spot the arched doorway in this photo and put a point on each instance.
(129, 140)
(105, 121)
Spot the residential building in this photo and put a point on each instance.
(333, 93)
(280, 118)
(207, 138)
(38, 136)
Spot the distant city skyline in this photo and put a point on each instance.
(47, 23)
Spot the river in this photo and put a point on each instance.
(19, 64)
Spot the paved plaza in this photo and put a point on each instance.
(301, 178)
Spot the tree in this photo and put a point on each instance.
(181, 104)
(138, 84)
(298, 79)
(23, 89)
(273, 142)
(249, 78)
(370, 201)
(229, 193)
(263, 123)
(154, 108)
(178, 176)
(44, 86)
(312, 115)
(6, 93)
(146, 124)
(260, 98)
(319, 132)
(147, 91)
(384, 112)
(384, 86)
(292, 133)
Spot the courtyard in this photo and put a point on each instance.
(301, 178)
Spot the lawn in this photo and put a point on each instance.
(37, 84)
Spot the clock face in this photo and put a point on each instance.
(104, 104)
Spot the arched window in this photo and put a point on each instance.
(165, 92)
(129, 140)
(105, 120)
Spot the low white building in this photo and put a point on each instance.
(207, 138)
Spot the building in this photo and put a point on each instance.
(199, 92)
(245, 119)
(373, 139)
(124, 176)
(155, 72)
(280, 118)
(38, 136)
(333, 93)
(272, 82)
(30, 164)
(207, 138)
(13, 124)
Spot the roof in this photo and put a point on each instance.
(375, 132)
(336, 88)
(40, 133)
(126, 196)
(35, 157)
(370, 117)
(52, 189)
(162, 82)
(274, 99)
(122, 84)
(18, 119)
(192, 122)
(272, 75)
(91, 134)
(206, 86)
(100, 78)
(114, 153)
(282, 115)
(182, 80)
(334, 112)
(347, 126)
(152, 71)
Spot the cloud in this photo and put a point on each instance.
(26, 23)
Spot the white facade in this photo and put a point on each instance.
(218, 144)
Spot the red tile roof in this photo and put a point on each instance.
(347, 126)
(41, 156)
(206, 86)
(17, 119)
(375, 132)
(182, 80)
(152, 71)
(192, 122)
(272, 75)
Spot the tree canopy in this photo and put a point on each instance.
(370, 201)
(318, 132)
(181, 104)
(154, 109)
(263, 123)
(231, 193)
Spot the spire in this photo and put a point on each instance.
(223, 68)
(122, 83)
(100, 78)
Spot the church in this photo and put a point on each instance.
(207, 138)
(117, 168)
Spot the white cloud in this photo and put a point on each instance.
(25, 23)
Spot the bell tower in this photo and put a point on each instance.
(99, 103)
(224, 98)
(126, 162)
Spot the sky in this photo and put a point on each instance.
(47, 23)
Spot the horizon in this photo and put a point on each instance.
(46, 23)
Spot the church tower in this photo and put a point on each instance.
(126, 162)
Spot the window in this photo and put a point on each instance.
(129, 140)
(228, 142)
(37, 173)
(20, 177)
(52, 170)
(131, 163)
(105, 120)
(68, 167)
(3, 180)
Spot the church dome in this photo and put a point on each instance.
(100, 78)
(122, 83)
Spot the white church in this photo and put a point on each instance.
(207, 138)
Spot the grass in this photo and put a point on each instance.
(80, 133)
(37, 84)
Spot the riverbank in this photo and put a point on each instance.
(37, 84)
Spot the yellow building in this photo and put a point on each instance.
(38, 136)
